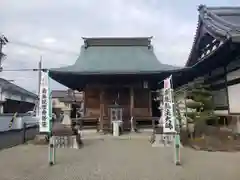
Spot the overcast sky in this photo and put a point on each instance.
(59, 25)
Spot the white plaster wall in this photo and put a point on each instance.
(234, 92)
(18, 123)
(233, 75)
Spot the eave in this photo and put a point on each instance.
(68, 79)
(210, 22)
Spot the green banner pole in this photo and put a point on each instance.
(177, 149)
(177, 141)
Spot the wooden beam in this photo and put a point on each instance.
(133, 123)
(101, 110)
(84, 101)
(102, 85)
(150, 102)
(131, 101)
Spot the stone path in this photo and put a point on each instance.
(116, 159)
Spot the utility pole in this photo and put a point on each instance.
(39, 74)
(39, 83)
(3, 41)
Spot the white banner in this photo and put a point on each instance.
(168, 109)
(44, 112)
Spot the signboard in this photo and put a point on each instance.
(168, 110)
(44, 104)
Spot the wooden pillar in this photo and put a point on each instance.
(101, 110)
(133, 124)
(131, 101)
(150, 102)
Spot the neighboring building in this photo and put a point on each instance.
(215, 56)
(116, 72)
(15, 99)
(67, 99)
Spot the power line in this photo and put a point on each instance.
(19, 43)
(23, 70)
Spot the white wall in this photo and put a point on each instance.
(234, 92)
(18, 123)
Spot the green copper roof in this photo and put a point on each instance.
(116, 56)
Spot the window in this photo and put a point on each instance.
(220, 97)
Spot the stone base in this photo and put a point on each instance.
(161, 140)
(40, 139)
(178, 163)
(66, 142)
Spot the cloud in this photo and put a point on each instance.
(49, 40)
(59, 26)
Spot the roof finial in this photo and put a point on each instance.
(85, 44)
(201, 6)
(149, 43)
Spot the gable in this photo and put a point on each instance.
(216, 26)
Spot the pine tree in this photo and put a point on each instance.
(199, 106)
(194, 107)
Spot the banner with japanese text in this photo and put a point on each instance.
(44, 104)
(168, 109)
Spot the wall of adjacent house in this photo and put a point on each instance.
(233, 79)
(16, 137)
(225, 83)
(217, 80)
(12, 136)
(17, 123)
(7, 96)
(15, 96)
(12, 106)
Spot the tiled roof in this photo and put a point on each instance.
(115, 56)
(222, 23)
(8, 86)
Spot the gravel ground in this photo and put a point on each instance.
(115, 159)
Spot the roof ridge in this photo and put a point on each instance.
(19, 87)
(117, 41)
(207, 14)
(203, 6)
(118, 37)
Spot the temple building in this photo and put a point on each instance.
(215, 56)
(123, 73)
(117, 77)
